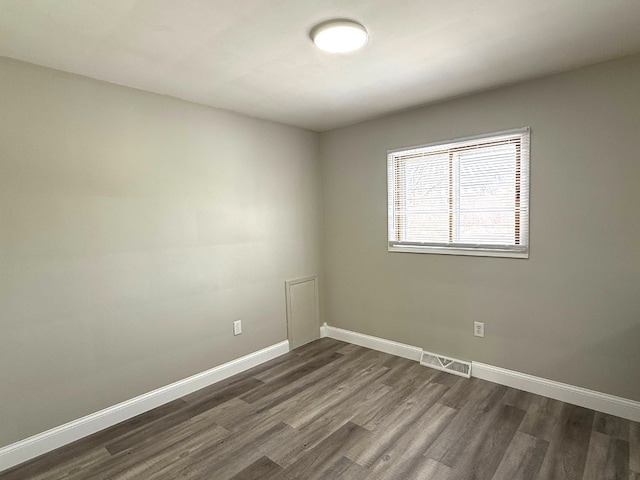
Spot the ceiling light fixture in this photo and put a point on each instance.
(339, 36)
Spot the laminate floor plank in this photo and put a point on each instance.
(157, 459)
(290, 399)
(134, 437)
(218, 387)
(288, 377)
(345, 469)
(362, 360)
(596, 462)
(75, 466)
(468, 424)
(315, 432)
(300, 389)
(315, 463)
(407, 373)
(393, 361)
(568, 448)
(634, 447)
(408, 401)
(320, 346)
(421, 468)
(136, 422)
(428, 468)
(518, 398)
(617, 460)
(350, 349)
(445, 378)
(294, 362)
(367, 417)
(60, 463)
(334, 411)
(481, 454)
(86, 446)
(261, 469)
(462, 392)
(151, 454)
(613, 426)
(542, 418)
(404, 459)
(386, 430)
(234, 454)
(325, 401)
(523, 458)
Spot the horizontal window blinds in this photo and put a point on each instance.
(472, 193)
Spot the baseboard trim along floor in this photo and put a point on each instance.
(375, 343)
(583, 397)
(44, 442)
(602, 402)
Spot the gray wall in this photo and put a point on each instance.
(569, 313)
(134, 228)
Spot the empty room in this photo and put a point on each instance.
(294, 239)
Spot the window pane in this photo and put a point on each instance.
(426, 198)
(486, 196)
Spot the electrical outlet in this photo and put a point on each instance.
(478, 329)
(237, 327)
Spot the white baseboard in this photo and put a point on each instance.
(44, 442)
(374, 343)
(323, 330)
(583, 397)
(602, 402)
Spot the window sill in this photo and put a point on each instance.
(475, 252)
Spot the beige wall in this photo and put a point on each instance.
(569, 313)
(134, 228)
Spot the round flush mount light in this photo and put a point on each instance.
(339, 36)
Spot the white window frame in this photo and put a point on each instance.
(508, 251)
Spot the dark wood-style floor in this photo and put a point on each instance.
(330, 410)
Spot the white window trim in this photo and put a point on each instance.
(472, 252)
(479, 251)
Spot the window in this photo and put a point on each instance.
(463, 197)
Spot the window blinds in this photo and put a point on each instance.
(466, 194)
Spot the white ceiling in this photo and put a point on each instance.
(255, 56)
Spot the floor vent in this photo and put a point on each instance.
(446, 364)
